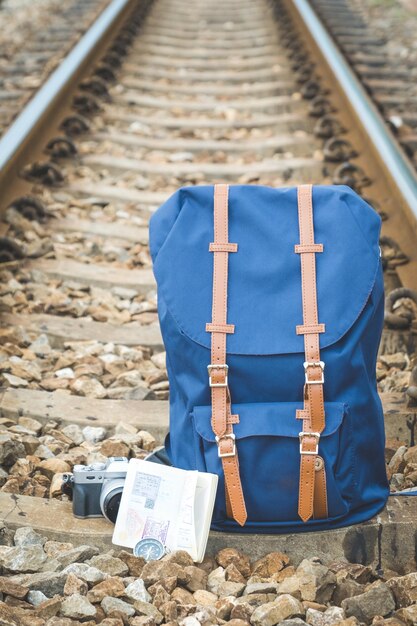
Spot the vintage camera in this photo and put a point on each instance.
(97, 488)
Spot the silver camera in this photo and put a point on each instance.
(97, 488)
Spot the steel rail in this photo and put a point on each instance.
(384, 144)
(36, 111)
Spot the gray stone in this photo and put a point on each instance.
(378, 600)
(77, 607)
(22, 560)
(274, 612)
(26, 536)
(50, 583)
(267, 587)
(94, 433)
(76, 555)
(136, 590)
(110, 604)
(318, 581)
(73, 431)
(404, 589)
(109, 565)
(331, 616)
(88, 573)
(36, 597)
(10, 450)
(148, 609)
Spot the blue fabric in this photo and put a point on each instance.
(265, 356)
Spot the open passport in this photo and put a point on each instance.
(172, 505)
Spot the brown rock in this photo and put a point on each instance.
(155, 571)
(361, 574)
(10, 601)
(49, 608)
(142, 620)
(283, 574)
(233, 574)
(404, 589)
(205, 598)
(272, 613)
(168, 584)
(224, 607)
(114, 447)
(346, 589)
(208, 564)
(75, 585)
(238, 622)
(198, 578)
(147, 609)
(54, 548)
(12, 589)
(134, 563)
(230, 555)
(270, 564)
(111, 621)
(182, 596)
(161, 597)
(242, 611)
(307, 604)
(112, 586)
(180, 557)
(408, 615)
(50, 467)
(169, 610)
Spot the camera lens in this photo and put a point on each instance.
(110, 496)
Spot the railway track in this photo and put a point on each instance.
(33, 43)
(161, 95)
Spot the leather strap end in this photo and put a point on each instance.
(306, 489)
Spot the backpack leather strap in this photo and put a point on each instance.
(221, 420)
(312, 488)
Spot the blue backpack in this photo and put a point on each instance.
(271, 309)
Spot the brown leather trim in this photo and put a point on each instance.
(222, 418)
(320, 491)
(301, 414)
(312, 247)
(220, 328)
(310, 329)
(223, 247)
(312, 494)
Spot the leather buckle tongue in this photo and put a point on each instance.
(232, 452)
(315, 436)
(222, 367)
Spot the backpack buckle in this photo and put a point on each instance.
(219, 366)
(231, 436)
(301, 438)
(308, 364)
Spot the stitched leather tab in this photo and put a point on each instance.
(302, 414)
(310, 329)
(308, 247)
(223, 247)
(220, 328)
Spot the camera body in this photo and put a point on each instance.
(97, 488)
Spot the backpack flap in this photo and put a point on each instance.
(264, 297)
